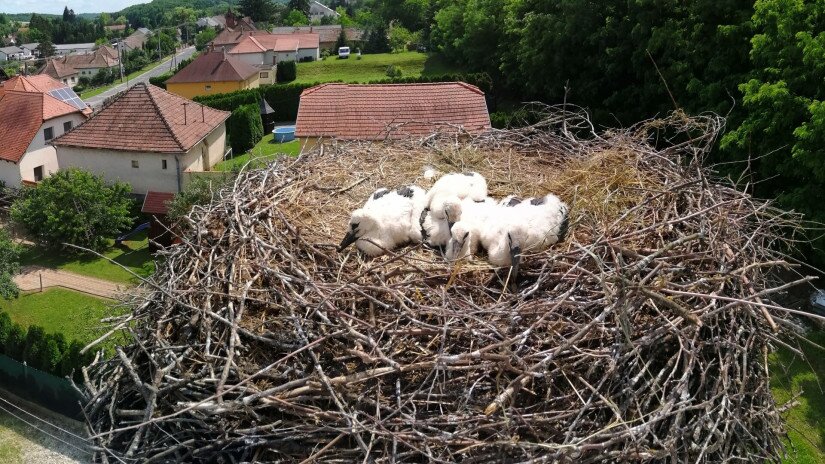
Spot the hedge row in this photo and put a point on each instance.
(245, 128)
(160, 81)
(47, 352)
(287, 71)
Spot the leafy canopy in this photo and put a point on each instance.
(74, 207)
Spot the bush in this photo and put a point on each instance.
(307, 59)
(160, 81)
(198, 192)
(394, 71)
(9, 266)
(245, 128)
(229, 101)
(287, 71)
(74, 207)
(325, 53)
(47, 352)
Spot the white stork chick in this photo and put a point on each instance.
(385, 221)
(437, 231)
(531, 227)
(511, 201)
(455, 187)
(471, 218)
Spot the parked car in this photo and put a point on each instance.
(343, 52)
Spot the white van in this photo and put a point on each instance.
(343, 52)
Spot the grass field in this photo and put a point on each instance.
(264, 151)
(806, 422)
(374, 67)
(134, 254)
(75, 314)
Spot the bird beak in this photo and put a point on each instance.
(348, 240)
(450, 222)
(515, 260)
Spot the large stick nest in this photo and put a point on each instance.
(642, 336)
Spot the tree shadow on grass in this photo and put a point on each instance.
(793, 375)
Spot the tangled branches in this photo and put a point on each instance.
(643, 336)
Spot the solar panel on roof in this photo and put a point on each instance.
(67, 95)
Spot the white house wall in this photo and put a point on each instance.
(9, 173)
(308, 53)
(115, 165)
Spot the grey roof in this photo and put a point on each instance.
(320, 8)
(208, 22)
(74, 46)
(144, 31)
(10, 50)
(30, 46)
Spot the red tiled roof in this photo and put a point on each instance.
(146, 118)
(157, 202)
(40, 83)
(214, 66)
(326, 33)
(364, 112)
(57, 69)
(21, 115)
(257, 43)
(230, 37)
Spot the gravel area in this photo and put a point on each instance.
(22, 443)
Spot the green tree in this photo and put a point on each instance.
(5, 329)
(46, 49)
(9, 266)
(200, 191)
(74, 207)
(258, 10)
(300, 5)
(377, 40)
(296, 18)
(204, 37)
(15, 342)
(399, 37)
(342, 40)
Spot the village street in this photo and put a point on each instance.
(96, 101)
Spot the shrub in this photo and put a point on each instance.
(9, 266)
(394, 71)
(325, 53)
(287, 71)
(229, 101)
(15, 342)
(198, 192)
(307, 59)
(245, 128)
(74, 207)
(160, 81)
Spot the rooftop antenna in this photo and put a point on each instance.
(184, 112)
(203, 114)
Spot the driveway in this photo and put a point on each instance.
(31, 277)
(96, 101)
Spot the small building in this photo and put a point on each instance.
(32, 114)
(215, 72)
(156, 205)
(10, 53)
(31, 49)
(147, 137)
(327, 34)
(136, 40)
(74, 49)
(115, 28)
(379, 112)
(70, 68)
(229, 38)
(271, 49)
(318, 11)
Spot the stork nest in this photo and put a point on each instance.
(643, 336)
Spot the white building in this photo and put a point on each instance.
(33, 111)
(10, 53)
(317, 11)
(74, 49)
(148, 138)
(268, 49)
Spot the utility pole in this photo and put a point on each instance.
(121, 59)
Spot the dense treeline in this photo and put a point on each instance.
(760, 63)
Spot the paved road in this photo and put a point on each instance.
(96, 101)
(29, 280)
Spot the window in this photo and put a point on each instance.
(67, 126)
(264, 75)
(163, 162)
(48, 133)
(208, 87)
(135, 164)
(38, 173)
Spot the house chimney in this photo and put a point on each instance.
(224, 53)
(184, 113)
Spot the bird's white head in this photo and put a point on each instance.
(361, 225)
(459, 245)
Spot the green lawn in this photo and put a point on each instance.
(264, 151)
(374, 67)
(806, 422)
(77, 315)
(134, 254)
(98, 90)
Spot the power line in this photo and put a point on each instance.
(87, 451)
(86, 440)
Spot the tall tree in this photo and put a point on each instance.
(300, 5)
(46, 49)
(258, 10)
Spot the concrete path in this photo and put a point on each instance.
(97, 101)
(29, 280)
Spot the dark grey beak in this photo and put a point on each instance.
(450, 222)
(515, 260)
(348, 240)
